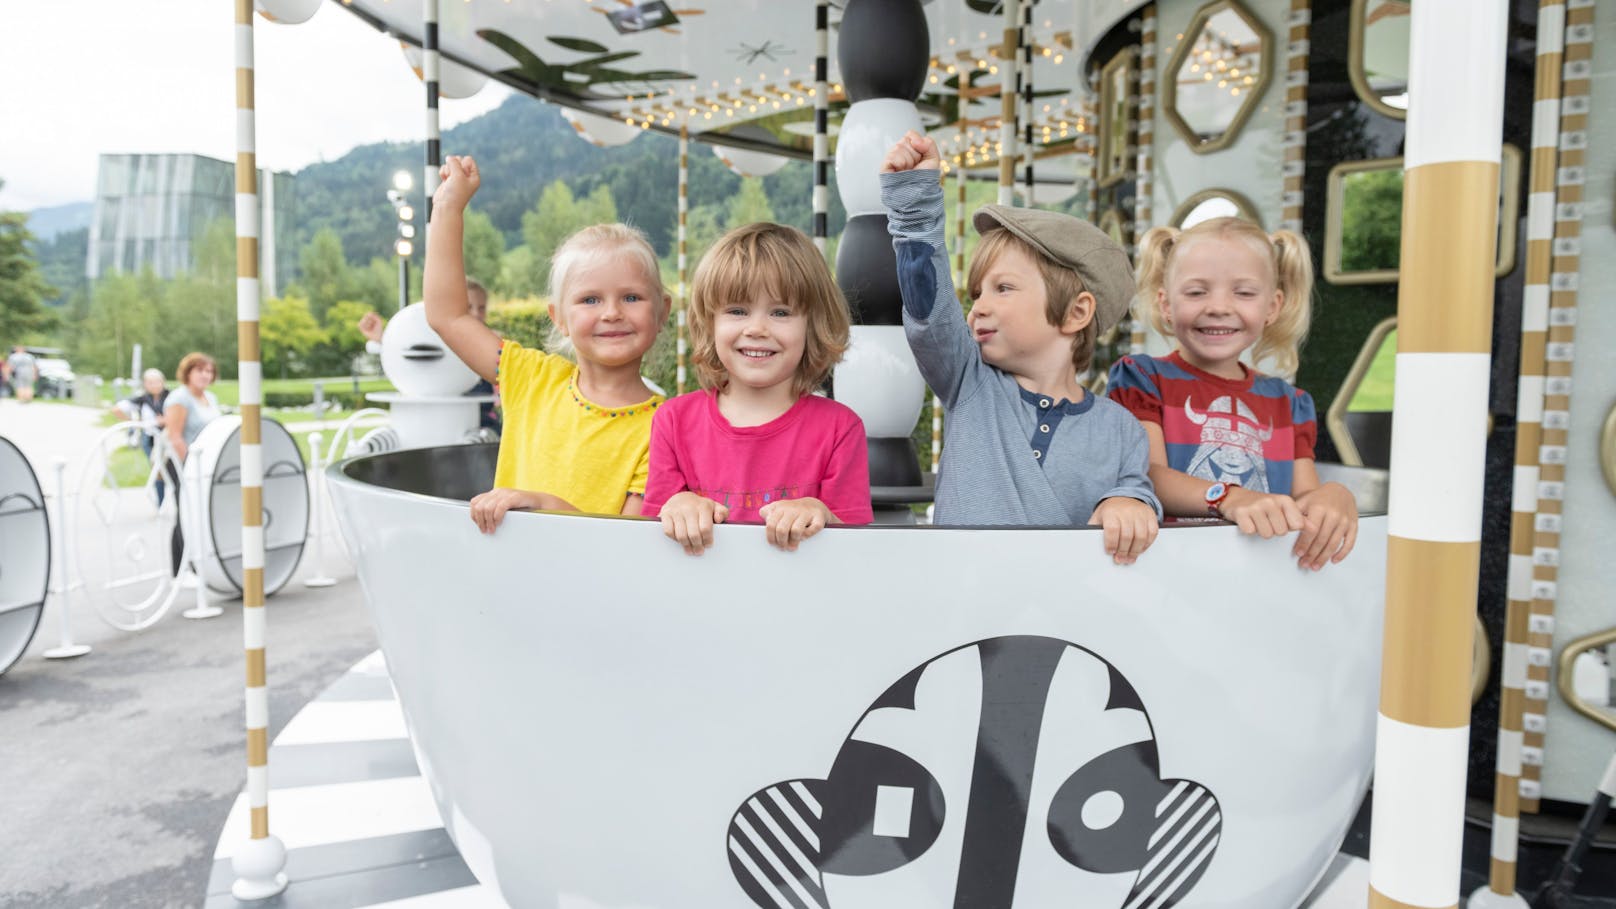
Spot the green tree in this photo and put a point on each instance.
(23, 290)
(287, 329)
(324, 271)
(484, 246)
(342, 326)
(703, 227)
(516, 273)
(749, 205)
(1371, 220)
(550, 222)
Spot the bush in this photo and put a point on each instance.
(344, 398)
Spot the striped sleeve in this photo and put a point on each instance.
(1304, 421)
(1132, 383)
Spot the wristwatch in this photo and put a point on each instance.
(1215, 496)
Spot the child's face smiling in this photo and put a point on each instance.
(610, 312)
(1009, 316)
(760, 342)
(1218, 297)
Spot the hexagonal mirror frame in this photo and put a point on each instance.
(1181, 55)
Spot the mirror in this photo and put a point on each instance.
(1360, 418)
(1116, 117)
(1587, 676)
(1377, 54)
(1217, 74)
(1214, 203)
(1364, 219)
(1607, 450)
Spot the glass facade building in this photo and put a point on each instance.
(151, 210)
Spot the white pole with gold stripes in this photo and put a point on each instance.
(258, 864)
(680, 303)
(1439, 436)
(1294, 170)
(1007, 101)
(1144, 157)
(1500, 889)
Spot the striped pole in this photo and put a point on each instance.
(1007, 103)
(1028, 115)
(681, 303)
(1570, 174)
(429, 72)
(1439, 441)
(258, 865)
(960, 290)
(1294, 168)
(1091, 147)
(822, 125)
(1142, 203)
(1518, 622)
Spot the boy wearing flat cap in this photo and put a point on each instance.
(1024, 443)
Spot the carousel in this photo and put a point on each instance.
(906, 715)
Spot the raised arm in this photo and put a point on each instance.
(933, 323)
(443, 284)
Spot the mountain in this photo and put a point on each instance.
(46, 223)
(521, 147)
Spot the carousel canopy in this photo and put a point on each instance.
(740, 73)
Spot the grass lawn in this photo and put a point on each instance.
(1376, 391)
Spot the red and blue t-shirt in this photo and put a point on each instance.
(1247, 431)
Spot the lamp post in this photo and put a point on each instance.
(404, 243)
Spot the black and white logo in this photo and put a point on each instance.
(1016, 771)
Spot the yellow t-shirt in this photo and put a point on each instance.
(557, 441)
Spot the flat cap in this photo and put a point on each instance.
(1098, 260)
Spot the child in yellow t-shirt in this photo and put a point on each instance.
(576, 436)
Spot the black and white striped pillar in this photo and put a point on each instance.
(1028, 114)
(429, 73)
(821, 123)
(883, 50)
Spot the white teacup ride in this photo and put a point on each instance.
(25, 553)
(213, 526)
(890, 716)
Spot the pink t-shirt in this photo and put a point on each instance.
(814, 450)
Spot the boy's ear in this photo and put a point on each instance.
(555, 318)
(1079, 313)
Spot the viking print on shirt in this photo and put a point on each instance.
(1014, 772)
(1231, 449)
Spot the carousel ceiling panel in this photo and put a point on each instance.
(740, 72)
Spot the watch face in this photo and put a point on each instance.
(1215, 492)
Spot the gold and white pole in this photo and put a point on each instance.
(680, 303)
(1007, 101)
(1518, 620)
(1558, 352)
(1294, 170)
(430, 64)
(1439, 438)
(258, 864)
(1144, 156)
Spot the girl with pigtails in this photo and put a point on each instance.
(1225, 439)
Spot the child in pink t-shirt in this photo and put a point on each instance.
(767, 323)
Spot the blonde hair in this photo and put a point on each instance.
(590, 246)
(1061, 287)
(1290, 267)
(782, 262)
(190, 362)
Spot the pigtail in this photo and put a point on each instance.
(1281, 341)
(1155, 249)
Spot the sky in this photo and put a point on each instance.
(79, 78)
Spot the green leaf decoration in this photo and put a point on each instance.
(581, 45)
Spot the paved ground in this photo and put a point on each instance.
(117, 769)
